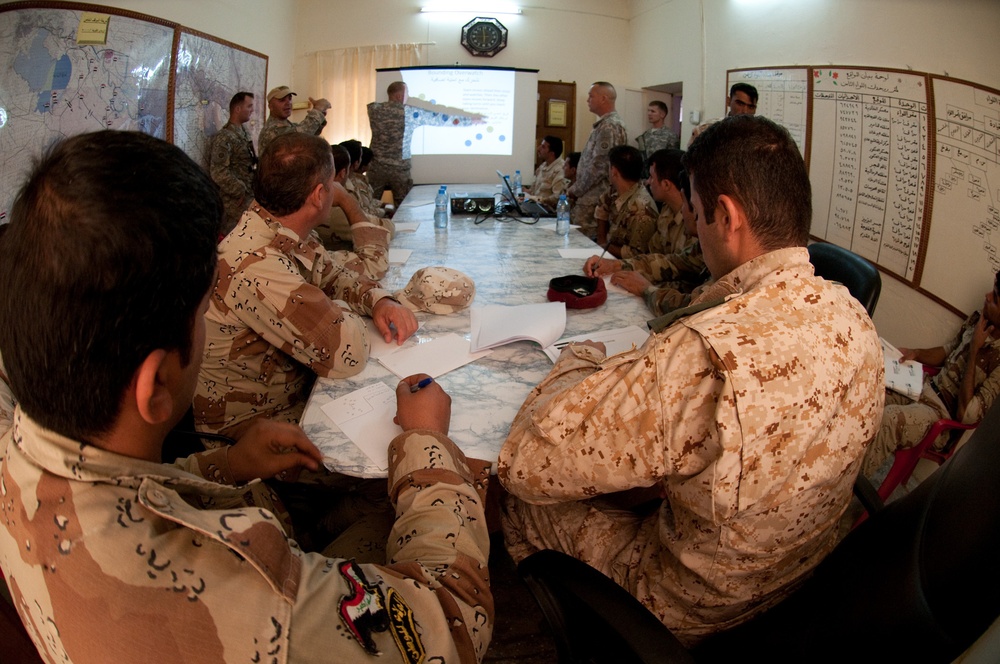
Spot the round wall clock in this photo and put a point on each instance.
(484, 36)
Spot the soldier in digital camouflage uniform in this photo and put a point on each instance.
(279, 104)
(592, 172)
(232, 160)
(962, 390)
(745, 415)
(626, 214)
(110, 555)
(659, 136)
(392, 124)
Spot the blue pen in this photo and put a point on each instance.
(422, 384)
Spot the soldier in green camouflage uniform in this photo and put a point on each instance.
(232, 160)
(592, 172)
(110, 555)
(392, 124)
(743, 418)
(279, 103)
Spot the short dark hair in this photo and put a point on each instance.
(555, 144)
(238, 99)
(353, 148)
(660, 105)
(394, 87)
(289, 169)
(668, 165)
(110, 250)
(574, 159)
(627, 160)
(341, 158)
(366, 155)
(745, 88)
(755, 162)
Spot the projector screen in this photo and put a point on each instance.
(470, 153)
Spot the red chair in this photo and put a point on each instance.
(906, 459)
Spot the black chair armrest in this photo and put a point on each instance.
(593, 619)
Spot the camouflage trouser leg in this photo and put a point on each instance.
(904, 424)
(395, 178)
(582, 214)
(603, 538)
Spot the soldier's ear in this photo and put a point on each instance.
(154, 385)
(730, 213)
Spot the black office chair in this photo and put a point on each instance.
(917, 582)
(858, 275)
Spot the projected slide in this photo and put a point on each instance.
(463, 91)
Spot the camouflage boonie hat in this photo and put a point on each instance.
(437, 290)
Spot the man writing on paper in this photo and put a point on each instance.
(752, 446)
(111, 555)
(963, 390)
(666, 281)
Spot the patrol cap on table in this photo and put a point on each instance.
(280, 92)
(437, 290)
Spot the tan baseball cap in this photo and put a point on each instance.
(437, 290)
(279, 92)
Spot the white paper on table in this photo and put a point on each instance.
(550, 225)
(365, 416)
(407, 226)
(415, 204)
(616, 341)
(496, 325)
(399, 256)
(434, 358)
(612, 288)
(379, 347)
(576, 252)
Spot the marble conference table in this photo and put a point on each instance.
(511, 263)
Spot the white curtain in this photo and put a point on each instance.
(346, 77)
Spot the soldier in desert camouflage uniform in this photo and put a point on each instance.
(273, 322)
(592, 172)
(232, 160)
(111, 556)
(279, 103)
(392, 124)
(625, 215)
(964, 389)
(549, 179)
(746, 415)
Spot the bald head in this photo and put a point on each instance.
(601, 98)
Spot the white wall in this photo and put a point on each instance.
(566, 40)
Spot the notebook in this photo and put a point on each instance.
(527, 207)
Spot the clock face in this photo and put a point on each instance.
(484, 36)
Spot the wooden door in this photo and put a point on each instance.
(556, 104)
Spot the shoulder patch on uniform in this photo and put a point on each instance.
(362, 611)
(404, 629)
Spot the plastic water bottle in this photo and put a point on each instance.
(441, 208)
(518, 190)
(562, 215)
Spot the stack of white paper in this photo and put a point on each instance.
(495, 325)
(907, 378)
